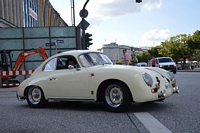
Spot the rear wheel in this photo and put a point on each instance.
(35, 97)
(116, 96)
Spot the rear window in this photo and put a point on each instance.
(162, 60)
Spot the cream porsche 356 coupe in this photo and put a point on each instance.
(83, 75)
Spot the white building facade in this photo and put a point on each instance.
(115, 51)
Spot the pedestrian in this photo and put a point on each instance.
(149, 63)
(134, 60)
(125, 60)
(153, 61)
(192, 66)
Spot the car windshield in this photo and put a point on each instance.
(163, 60)
(93, 59)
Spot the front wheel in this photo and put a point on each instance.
(116, 97)
(35, 97)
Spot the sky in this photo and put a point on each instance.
(126, 22)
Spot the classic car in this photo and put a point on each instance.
(93, 77)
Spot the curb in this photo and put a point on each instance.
(195, 70)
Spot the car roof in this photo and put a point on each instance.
(75, 52)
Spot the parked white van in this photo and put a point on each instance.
(166, 63)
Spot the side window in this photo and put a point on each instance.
(64, 61)
(51, 65)
(60, 63)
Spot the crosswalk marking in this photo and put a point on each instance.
(152, 124)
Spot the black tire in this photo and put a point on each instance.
(35, 97)
(116, 97)
(174, 72)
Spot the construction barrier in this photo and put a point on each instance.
(14, 73)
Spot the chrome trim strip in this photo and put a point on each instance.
(71, 99)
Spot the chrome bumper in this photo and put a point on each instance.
(176, 89)
(162, 94)
(20, 98)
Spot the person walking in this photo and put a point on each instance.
(153, 60)
(134, 60)
(125, 60)
(149, 63)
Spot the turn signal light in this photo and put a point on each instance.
(174, 82)
(154, 90)
(158, 85)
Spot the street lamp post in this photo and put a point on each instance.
(83, 24)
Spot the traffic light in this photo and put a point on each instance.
(88, 39)
(138, 1)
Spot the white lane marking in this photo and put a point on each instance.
(152, 124)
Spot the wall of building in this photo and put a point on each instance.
(48, 15)
(18, 39)
(29, 13)
(11, 11)
(115, 51)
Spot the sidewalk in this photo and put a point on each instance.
(194, 70)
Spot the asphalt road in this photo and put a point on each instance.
(178, 114)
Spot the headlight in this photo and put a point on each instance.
(170, 75)
(148, 79)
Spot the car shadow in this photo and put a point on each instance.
(76, 105)
(96, 106)
(148, 107)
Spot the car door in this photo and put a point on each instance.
(69, 83)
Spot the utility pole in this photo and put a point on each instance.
(72, 13)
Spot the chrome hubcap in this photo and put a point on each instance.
(114, 95)
(34, 95)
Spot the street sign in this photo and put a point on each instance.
(83, 24)
(50, 44)
(83, 13)
(60, 41)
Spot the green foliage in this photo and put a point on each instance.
(176, 47)
(194, 40)
(119, 62)
(143, 57)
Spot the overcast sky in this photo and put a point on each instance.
(134, 24)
